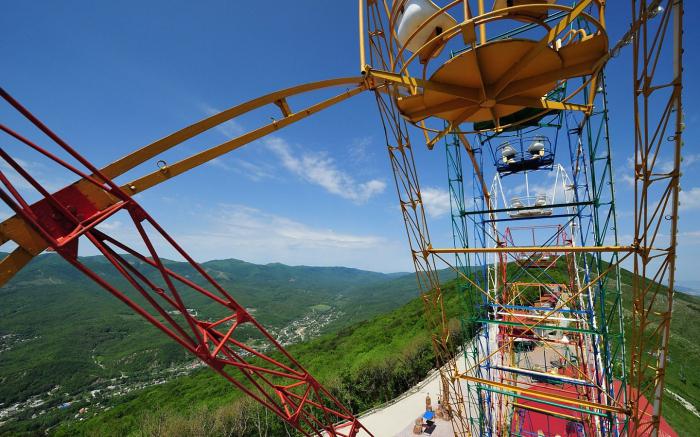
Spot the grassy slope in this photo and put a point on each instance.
(397, 340)
(67, 325)
(684, 354)
(360, 349)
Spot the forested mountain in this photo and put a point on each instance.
(62, 336)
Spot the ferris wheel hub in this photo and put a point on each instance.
(494, 81)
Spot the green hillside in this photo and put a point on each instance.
(683, 370)
(365, 363)
(61, 336)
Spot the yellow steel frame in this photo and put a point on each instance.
(505, 88)
(543, 395)
(30, 243)
(652, 302)
(382, 52)
(391, 80)
(411, 202)
(536, 249)
(658, 127)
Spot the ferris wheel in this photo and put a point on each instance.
(516, 92)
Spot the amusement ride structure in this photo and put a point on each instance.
(516, 92)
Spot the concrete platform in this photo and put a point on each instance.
(443, 428)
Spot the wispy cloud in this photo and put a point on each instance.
(230, 129)
(626, 174)
(627, 179)
(358, 150)
(17, 181)
(321, 170)
(691, 159)
(252, 226)
(46, 175)
(689, 239)
(251, 170)
(689, 199)
(251, 234)
(436, 201)
(689, 234)
(240, 231)
(542, 185)
(111, 225)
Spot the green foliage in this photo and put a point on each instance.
(365, 365)
(59, 329)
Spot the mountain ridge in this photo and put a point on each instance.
(379, 329)
(60, 329)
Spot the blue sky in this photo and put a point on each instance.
(113, 76)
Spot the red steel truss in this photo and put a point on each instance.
(266, 372)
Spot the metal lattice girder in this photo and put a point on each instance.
(412, 208)
(485, 94)
(266, 372)
(463, 262)
(658, 72)
(31, 243)
(592, 174)
(460, 102)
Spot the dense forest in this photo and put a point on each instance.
(364, 365)
(363, 361)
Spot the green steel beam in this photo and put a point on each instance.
(542, 401)
(525, 208)
(523, 325)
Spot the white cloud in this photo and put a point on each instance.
(250, 234)
(321, 170)
(689, 199)
(230, 129)
(219, 163)
(626, 174)
(250, 226)
(257, 236)
(357, 150)
(689, 160)
(627, 178)
(538, 184)
(44, 174)
(665, 166)
(515, 191)
(436, 201)
(688, 234)
(111, 225)
(253, 171)
(17, 180)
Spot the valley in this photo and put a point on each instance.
(66, 346)
(85, 366)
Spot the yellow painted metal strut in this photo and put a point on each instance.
(535, 249)
(30, 243)
(545, 396)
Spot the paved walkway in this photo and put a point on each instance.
(396, 418)
(443, 428)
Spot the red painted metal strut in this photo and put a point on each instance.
(265, 372)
